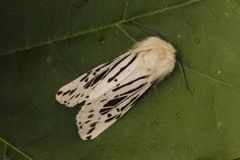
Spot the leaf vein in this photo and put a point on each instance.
(126, 33)
(15, 148)
(212, 79)
(65, 64)
(125, 10)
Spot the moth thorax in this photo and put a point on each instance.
(160, 59)
(156, 58)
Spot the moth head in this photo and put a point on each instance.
(158, 55)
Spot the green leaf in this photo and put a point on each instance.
(46, 44)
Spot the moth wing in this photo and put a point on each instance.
(98, 115)
(77, 91)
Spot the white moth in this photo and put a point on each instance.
(108, 91)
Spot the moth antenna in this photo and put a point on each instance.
(183, 73)
(147, 30)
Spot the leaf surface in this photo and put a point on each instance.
(46, 44)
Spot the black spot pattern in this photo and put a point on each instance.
(71, 98)
(90, 116)
(87, 122)
(88, 137)
(116, 64)
(134, 89)
(118, 116)
(122, 69)
(77, 95)
(103, 100)
(114, 101)
(72, 91)
(59, 92)
(106, 64)
(98, 78)
(91, 111)
(90, 131)
(109, 119)
(82, 103)
(129, 83)
(104, 110)
(65, 93)
(93, 124)
(87, 74)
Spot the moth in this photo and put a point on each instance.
(108, 91)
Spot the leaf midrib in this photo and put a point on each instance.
(91, 30)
